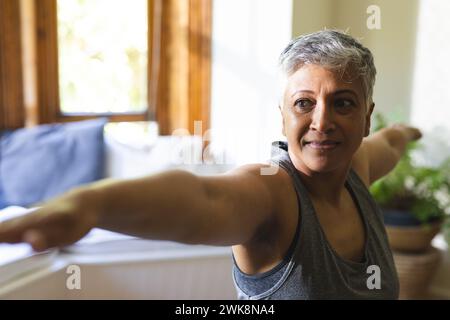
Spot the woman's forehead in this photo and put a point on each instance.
(316, 79)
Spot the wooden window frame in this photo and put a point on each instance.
(12, 113)
(179, 68)
(184, 75)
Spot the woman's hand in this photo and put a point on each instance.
(410, 133)
(58, 223)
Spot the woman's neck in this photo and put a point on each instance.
(328, 187)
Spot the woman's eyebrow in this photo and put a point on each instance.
(337, 92)
(346, 91)
(298, 91)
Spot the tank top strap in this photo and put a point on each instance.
(308, 231)
(280, 157)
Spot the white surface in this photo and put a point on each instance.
(10, 253)
(190, 278)
(17, 260)
(125, 160)
(431, 96)
(175, 272)
(116, 266)
(248, 37)
(128, 160)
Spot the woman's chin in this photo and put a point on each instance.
(321, 169)
(322, 165)
(312, 163)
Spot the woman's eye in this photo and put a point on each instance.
(304, 103)
(344, 104)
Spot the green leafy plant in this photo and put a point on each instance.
(423, 191)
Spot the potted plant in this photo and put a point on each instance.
(415, 201)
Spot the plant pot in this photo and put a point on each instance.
(399, 218)
(407, 234)
(415, 272)
(412, 239)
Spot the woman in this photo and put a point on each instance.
(308, 231)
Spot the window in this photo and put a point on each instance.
(160, 72)
(102, 57)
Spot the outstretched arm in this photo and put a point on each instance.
(174, 205)
(380, 152)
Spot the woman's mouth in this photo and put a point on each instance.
(322, 145)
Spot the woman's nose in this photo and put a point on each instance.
(322, 119)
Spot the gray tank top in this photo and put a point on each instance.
(311, 268)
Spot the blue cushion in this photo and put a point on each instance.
(3, 202)
(42, 162)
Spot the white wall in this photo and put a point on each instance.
(430, 107)
(248, 36)
(311, 15)
(431, 94)
(393, 46)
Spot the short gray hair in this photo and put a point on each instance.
(333, 50)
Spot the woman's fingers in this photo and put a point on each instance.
(60, 222)
(44, 239)
(416, 133)
(44, 229)
(412, 133)
(11, 231)
(36, 239)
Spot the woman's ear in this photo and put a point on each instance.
(368, 118)
(283, 132)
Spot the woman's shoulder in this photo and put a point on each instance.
(277, 233)
(280, 186)
(274, 177)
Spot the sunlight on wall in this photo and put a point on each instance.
(248, 37)
(431, 93)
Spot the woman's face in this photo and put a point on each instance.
(325, 119)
